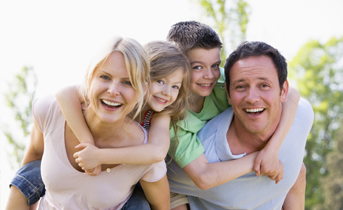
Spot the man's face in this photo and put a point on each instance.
(205, 70)
(255, 94)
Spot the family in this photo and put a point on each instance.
(165, 127)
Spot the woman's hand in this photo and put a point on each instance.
(86, 158)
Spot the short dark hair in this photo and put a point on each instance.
(191, 34)
(248, 49)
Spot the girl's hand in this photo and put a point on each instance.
(86, 158)
(267, 163)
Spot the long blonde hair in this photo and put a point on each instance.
(137, 65)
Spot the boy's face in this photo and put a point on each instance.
(205, 70)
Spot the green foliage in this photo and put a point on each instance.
(229, 19)
(318, 69)
(19, 99)
(333, 183)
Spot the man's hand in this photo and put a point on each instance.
(86, 159)
(267, 163)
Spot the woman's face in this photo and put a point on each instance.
(111, 94)
(164, 91)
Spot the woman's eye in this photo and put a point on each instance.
(197, 67)
(104, 77)
(127, 83)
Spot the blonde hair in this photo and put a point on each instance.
(165, 59)
(137, 65)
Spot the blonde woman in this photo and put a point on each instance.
(118, 76)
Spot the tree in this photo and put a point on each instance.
(318, 70)
(19, 99)
(333, 183)
(229, 19)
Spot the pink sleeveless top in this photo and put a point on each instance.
(67, 188)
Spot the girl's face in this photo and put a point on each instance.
(111, 94)
(164, 91)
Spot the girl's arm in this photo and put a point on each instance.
(152, 152)
(70, 102)
(267, 161)
(157, 193)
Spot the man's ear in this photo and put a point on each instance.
(284, 91)
(227, 94)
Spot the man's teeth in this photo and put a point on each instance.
(160, 99)
(204, 85)
(111, 103)
(254, 110)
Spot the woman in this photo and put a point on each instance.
(113, 87)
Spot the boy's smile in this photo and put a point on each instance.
(205, 70)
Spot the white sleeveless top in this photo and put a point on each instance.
(67, 188)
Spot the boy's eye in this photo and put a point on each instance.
(215, 65)
(127, 83)
(104, 77)
(197, 67)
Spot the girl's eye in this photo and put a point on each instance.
(176, 87)
(197, 67)
(160, 82)
(104, 77)
(127, 83)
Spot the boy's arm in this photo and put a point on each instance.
(157, 193)
(70, 104)
(152, 152)
(267, 161)
(206, 175)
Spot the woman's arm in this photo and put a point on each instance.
(267, 161)
(157, 193)
(152, 152)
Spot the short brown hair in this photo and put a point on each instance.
(248, 49)
(192, 34)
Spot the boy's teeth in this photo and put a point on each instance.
(111, 103)
(254, 110)
(205, 85)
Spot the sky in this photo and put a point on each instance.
(59, 38)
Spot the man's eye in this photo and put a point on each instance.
(104, 77)
(197, 67)
(264, 85)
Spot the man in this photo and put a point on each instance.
(256, 86)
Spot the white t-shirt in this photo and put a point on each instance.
(67, 188)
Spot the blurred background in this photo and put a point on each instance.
(47, 45)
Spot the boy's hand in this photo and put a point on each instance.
(267, 163)
(86, 158)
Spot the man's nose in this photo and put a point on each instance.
(252, 96)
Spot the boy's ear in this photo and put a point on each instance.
(227, 94)
(284, 91)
